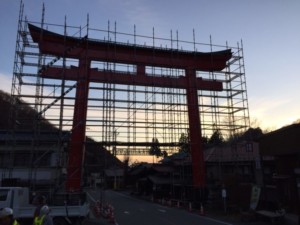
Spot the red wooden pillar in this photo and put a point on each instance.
(76, 149)
(198, 166)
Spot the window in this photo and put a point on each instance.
(249, 147)
(3, 194)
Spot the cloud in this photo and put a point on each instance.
(263, 105)
(273, 113)
(140, 13)
(5, 84)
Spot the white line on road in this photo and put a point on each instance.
(129, 197)
(91, 197)
(211, 219)
(161, 210)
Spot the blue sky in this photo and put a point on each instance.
(269, 29)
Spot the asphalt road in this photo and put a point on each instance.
(133, 211)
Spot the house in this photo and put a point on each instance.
(241, 159)
(28, 158)
(229, 165)
(114, 177)
(280, 152)
(154, 179)
(235, 167)
(25, 160)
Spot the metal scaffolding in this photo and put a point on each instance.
(126, 118)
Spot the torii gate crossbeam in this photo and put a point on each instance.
(87, 51)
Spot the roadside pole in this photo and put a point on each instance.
(224, 195)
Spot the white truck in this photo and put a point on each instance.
(18, 198)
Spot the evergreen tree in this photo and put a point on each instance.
(164, 154)
(216, 138)
(155, 149)
(205, 140)
(184, 143)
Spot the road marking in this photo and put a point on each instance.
(161, 210)
(126, 212)
(91, 197)
(129, 197)
(218, 221)
(213, 220)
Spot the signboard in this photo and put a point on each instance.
(255, 194)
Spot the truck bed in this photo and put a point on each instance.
(61, 211)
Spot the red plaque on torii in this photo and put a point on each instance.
(88, 50)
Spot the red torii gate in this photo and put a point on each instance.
(88, 50)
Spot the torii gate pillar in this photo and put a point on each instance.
(76, 149)
(196, 147)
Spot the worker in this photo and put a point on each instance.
(44, 218)
(7, 217)
(39, 201)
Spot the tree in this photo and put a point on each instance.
(296, 121)
(184, 143)
(126, 162)
(216, 138)
(164, 154)
(205, 140)
(155, 149)
(253, 134)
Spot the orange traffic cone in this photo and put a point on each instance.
(202, 210)
(190, 207)
(97, 209)
(112, 218)
(111, 215)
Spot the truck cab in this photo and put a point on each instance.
(18, 198)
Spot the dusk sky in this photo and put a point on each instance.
(269, 30)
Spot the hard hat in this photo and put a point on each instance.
(6, 212)
(45, 210)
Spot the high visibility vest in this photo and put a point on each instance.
(16, 222)
(39, 220)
